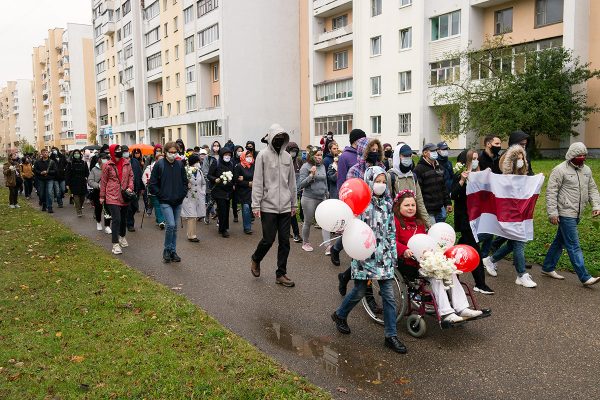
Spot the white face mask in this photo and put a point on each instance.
(474, 164)
(249, 159)
(434, 155)
(126, 154)
(444, 153)
(407, 162)
(520, 164)
(226, 158)
(170, 157)
(239, 154)
(379, 188)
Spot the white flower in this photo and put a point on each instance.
(436, 265)
(458, 168)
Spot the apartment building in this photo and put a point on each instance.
(374, 64)
(64, 96)
(196, 70)
(16, 123)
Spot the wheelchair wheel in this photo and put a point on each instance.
(373, 303)
(416, 325)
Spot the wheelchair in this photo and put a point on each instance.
(414, 300)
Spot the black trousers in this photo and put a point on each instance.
(28, 182)
(119, 221)
(466, 237)
(132, 209)
(98, 207)
(275, 225)
(234, 203)
(223, 214)
(13, 195)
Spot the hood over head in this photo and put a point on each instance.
(112, 149)
(516, 137)
(275, 130)
(361, 145)
(509, 159)
(401, 149)
(371, 174)
(193, 160)
(575, 150)
(291, 146)
(225, 150)
(252, 143)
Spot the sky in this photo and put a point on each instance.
(24, 25)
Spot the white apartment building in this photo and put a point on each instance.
(23, 109)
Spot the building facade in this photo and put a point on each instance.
(16, 123)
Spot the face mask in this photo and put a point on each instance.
(249, 160)
(433, 155)
(216, 149)
(278, 143)
(579, 161)
(373, 157)
(406, 162)
(379, 188)
(474, 164)
(54, 152)
(197, 165)
(443, 153)
(389, 153)
(520, 164)
(170, 157)
(294, 154)
(202, 157)
(126, 154)
(118, 154)
(250, 148)
(239, 154)
(226, 158)
(330, 137)
(496, 150)
(77, 156)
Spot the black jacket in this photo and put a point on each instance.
(136, 168)
(61, 166)
(433, 186)
(168, 182)
(41, 165)
(515, 138)
(76, 177)
(221, 190)
(242, 188)
(485, 162)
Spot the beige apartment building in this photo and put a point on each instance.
(64, 95)
(16, 116)
(8, 120)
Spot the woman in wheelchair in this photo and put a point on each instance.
(408, 223)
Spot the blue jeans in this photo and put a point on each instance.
(567, 237)
(48, 193)
(389, 303)
(247, 217)
(485, 242)
(157, 211)
(171, 214)
(518, 250)
(59, 191)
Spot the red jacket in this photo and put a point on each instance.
(110, 188)
(403, 235)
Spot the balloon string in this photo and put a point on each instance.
(330, 240)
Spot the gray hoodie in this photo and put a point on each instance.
(274, 184)
(313, 186)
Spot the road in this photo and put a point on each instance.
(540, 343)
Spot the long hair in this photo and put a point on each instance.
(470, 159)
(405, 194)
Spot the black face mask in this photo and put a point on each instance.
(373, 157)
(250, 148)
(496, 150)
(278, 143)
(404, 169)
(389, 153)
(118, 154)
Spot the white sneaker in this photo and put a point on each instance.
(553, 274)
(469, 313)
(525, 281)
(453, 318)
(328, 251)
(123, 242)
(98, 226)
(117, 249)
(490, 267)
(12, 206)
(17, 206)
(591, 281)
(108, 230)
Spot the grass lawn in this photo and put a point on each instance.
(76, 322)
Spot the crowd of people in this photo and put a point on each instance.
(283, 186)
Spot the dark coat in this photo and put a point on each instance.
(433, 186)
(136, 168)
(61, 166)
(485, 162)
(76, 177)
(48, 166)
(168, 182)
(242, 188)
(448, 172)
(221, 190)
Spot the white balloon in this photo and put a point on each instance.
(420, 243)
(333, 215)
(443, 234)
(358, 240)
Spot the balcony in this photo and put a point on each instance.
(109, 5)
(103, 120)
(109, 28)
(332, 40)
(45, 92)
(327, 8)
(155, 110)
(69, 135)
(63, 94)
(487, 3)
(65, 118)
(334, 90)
(47, 103)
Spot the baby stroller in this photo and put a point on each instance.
(414, 300)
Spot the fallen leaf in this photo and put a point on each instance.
(77, 359)
(402, 381)
(58, 334)
(341, 389)
(408, 392)
(376, 382)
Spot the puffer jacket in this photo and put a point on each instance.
(508, 161)
(110, 186)
(221, 190)
(76, 177)
(433, 186)
(274, 185)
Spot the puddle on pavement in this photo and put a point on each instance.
(364, 367)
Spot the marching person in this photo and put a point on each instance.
(274, 201)
(45, 170)
(11, 172)
(446, 165)
(194, 206)
(60, 162)
(153, 200)
(430, 175)
(76, 180)
(94, 183)
(169, 183)
(138, 186)
(570, 188)
(243, 175)
(27, 175)
(222, 188)
(297, 161)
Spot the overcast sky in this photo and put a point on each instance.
(24, 24)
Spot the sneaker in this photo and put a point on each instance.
(483, 290)
(235, 219)
(553, 274)
(335, 257)
(166, 256)
(297, 239)
(395, 344)
(117, 249)
(50, 211)
(107, 230)
(130, 229)
(194, 240)
(248, 232)
(591, 281)
(470, 313)
(206, 220)
(490, 266)
(525, 281)
(342, 284)
(123, 242)
(161, 226)
(285, 281)
(453, 318)
(340, 324)
(255, 268)
(225, 234)
(17, 206)
(98, 226)
(328, 250)
(12, 206)
(175, 257)
(307, 247)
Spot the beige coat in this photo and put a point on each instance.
(570, 189)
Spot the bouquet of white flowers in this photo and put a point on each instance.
(459, 168)
(435, 264)
(226, 177)
(190, 171)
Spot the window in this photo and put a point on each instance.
(190, 74)
(405, 81)
(405, 3)
(177, 52)
(169, 109)
(502, 63)
(178, 107)
(190, 102)
(480, 67)
(189, 44)
(215, 72)
(126, 7)
(404, 124)
(165, 5)
(153, 62)
(208, 35)
(119, 37)
(206, 6)
(100, 48)
(98, 31)
(548, 12)
(334, 90)
(339, 22)
(406, 38)
(166, 29)
(127, 30)
(376, 124)
(101, 85)
(445, 72)
(175, 24)
(503, 21)
(152, 37)
(375, 8)
(376, 86)
(177, 79)
(445, 25)
(188, 15)
(166, 56)
(128, 74)
(338, 124)
(128, 51)
(209, 128)
(168, 82)
(376, 46)
(152, 10)
(216, 100)
(340, 60)
(100, 67)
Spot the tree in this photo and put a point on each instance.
(25, 147)
(92, 127)
(510, 87)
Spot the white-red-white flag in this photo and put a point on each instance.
(503, 205)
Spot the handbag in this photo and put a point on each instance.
(128, 196)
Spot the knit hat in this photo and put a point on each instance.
(193, 160)
(575, 150)
(356, 134)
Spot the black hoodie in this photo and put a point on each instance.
(221, 190)
(514, 138)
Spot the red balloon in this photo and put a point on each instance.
(356, 193)
(465, 257)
